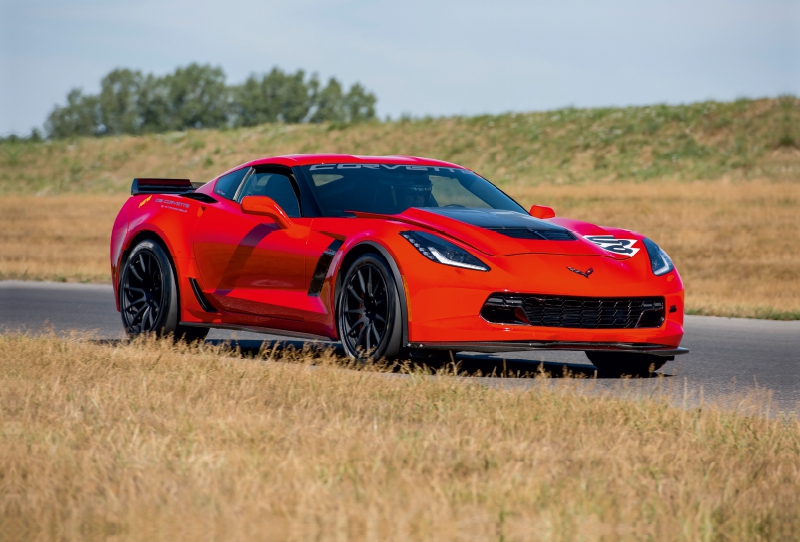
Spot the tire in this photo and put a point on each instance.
(625, 363)
(369, 316)
(148, 295)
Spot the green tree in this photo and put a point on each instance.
(198, 97)
(252, 103)
(359, 105)
(277, 96)
(294, 100)
(119, 94)
(328, 102)
(80, 117)
(153, 105)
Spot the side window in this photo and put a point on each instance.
(276, 186)
(227, 184)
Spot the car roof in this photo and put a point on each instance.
(310, 159)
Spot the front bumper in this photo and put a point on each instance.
(445, 304)
(512, 346)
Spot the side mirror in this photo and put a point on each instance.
(262, 205)
(542, 211)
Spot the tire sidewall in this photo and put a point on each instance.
(391, 343)
(167, 320)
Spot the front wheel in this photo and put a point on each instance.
(148, 295)
(625, 363)
(369, 314)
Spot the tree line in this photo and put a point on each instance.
(196, 96)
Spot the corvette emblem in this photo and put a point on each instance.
(582, 273)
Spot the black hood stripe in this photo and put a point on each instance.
(510, 223)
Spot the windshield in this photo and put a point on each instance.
(392, 188)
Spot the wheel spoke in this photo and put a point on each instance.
(361, 281)
(136, 273)
(381, 318)
(355, 311)
(136, 316)
(364, 321)
(149, 317)
(355, 294)
(368, 328)
(375, 331)
(369, 281)
(138, 300)
(360, 335)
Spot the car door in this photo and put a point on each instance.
(247, 263)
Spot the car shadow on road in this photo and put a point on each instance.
(464, 364)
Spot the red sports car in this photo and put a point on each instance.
(389, 254)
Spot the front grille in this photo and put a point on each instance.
(539, 235)
(574, 312)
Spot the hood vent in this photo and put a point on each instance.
(508, 223)
(536, 234)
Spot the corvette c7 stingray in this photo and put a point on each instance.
(389, 254)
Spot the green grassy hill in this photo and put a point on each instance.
(745, 139)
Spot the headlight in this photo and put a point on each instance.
(659, 261)
(440, 251)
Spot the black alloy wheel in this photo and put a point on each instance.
(148, 296)
(625, 363)
(370, 324)
(144, 293)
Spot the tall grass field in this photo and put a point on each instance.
(149, 441)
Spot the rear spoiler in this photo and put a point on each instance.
(161, 186)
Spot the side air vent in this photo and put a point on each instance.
(538, 235)
(198, 294)
(199, 196)
(321, 271)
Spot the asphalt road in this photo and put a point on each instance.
(727, 354)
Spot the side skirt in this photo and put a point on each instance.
(264, 330)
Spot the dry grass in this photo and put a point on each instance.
(150, 441)
(735, 243)
(57, 238)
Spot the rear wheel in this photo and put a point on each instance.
(148, 295)
(625, 363)
(369, 315)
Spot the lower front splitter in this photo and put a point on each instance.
(511, 346)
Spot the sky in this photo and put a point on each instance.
(420, 57)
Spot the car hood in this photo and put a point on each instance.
(505, 233)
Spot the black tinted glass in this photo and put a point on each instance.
(392, 188)
(227, 184)
(276, 186)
